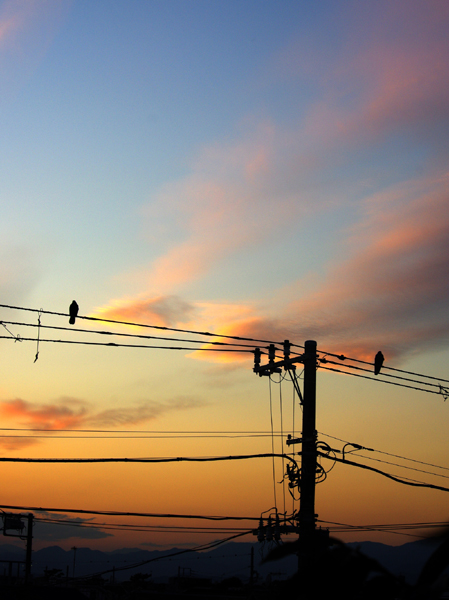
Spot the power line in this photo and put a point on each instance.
(331, 362)
(134, 437)
(386, 462)
(179, 552)
(119, 334)
(382, 381)
(112, 513)
(388, 475)
(98, 319)
(342, 357)
(387, 453)
(243, 432)
(146, 460)
(139, 528)
(395, 528)
(113, 344)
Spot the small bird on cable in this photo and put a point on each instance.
(73, 312)
(378, 362)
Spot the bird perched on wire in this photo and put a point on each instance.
(378, 362)
(73, 312)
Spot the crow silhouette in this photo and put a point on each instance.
(73, 312)
(378, 362)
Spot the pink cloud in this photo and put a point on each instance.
(390, 83)
(393, 290)
(71, 413)
(229, 203)
(68, 414)
(161, 310)
(240, 193)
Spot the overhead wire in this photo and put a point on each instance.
(342, 357)
(177, 553)
(121, 334)
(394, 528)
(136, 527)
(114, 344)
(399, 465)
(385, 374)
(146, 325)
(150, 431)
(116, 513)
(144, 460)
(439, 393)
(402, 480)
(387, 453)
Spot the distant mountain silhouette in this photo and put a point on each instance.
(406, 560)
(230, 560)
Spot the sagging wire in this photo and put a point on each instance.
(17, 337)
(325, 449)
(38, 333)
(294, 378)
(293, 475)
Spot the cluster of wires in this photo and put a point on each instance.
(367, 455)
(204, 340)
(130, 434)
(360, 368)
(394, 528)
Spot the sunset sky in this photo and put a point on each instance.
(266, 169)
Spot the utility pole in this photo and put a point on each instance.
(309, 450)
(307, 517)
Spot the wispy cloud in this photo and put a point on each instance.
(160, 310)
(392, 291)
(27, 28)
(68, 413)
(374, 137)
(72, 413)
(142, 413)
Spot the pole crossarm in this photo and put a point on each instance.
(275, 366)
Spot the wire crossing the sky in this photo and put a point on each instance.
(425, 383)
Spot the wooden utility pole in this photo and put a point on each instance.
(307, 479)
(309, 450)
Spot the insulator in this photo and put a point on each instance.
(287, 350)
(271, 353)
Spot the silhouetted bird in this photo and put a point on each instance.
(73, 312)
(378, 362)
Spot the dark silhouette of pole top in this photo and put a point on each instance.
(73, 312)
(378, 362)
